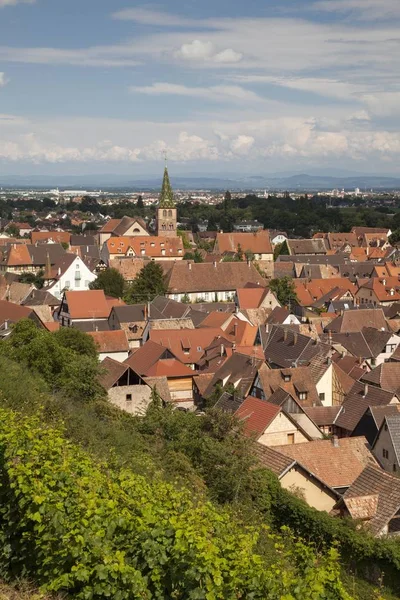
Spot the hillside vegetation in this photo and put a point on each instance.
(96, 503)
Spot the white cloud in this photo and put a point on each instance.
(220, 93)
(367, 9)
(203, 50)
(95, 56)
(2, 79)
(144, 16)
(383, 103)
(242, 144)
(4, 3)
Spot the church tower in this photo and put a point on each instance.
(166, 211)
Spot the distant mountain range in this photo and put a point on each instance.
(297, 182)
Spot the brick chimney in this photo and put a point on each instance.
(335, 441)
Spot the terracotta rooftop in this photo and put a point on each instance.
(258, 242)
(170, 368)
(91, 304)
(337, 467)
(256, 415)
(146, 356)
(110, 341)
(212, 277)
(56, 236)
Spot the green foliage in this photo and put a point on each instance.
(183, 234)
(195, 256)
(140, 203)
(227, 201)
(284, 290)
(281, 250)
(95, 532)
(37, 279)
(148, 284)
(66, 361)
(111, 281)
(395, 237)
(12, 230)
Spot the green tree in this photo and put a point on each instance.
(227, 201)
(195, 256)
(395, 237)
(284, 290)
(66, 362)
(37, 279)
(140, 203)
(12, 230)
(281, 250)
(212, 224)
(148, 284)
(77, 341)
(111, 281)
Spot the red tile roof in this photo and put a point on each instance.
(57, 236)
(91, 304)
(110, 341)
(170, 368)
(258, 242)
(250, 297)
(256, 415)
(337, 467)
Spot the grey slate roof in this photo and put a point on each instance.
(285, 347)
(357, 401)
(379, 493)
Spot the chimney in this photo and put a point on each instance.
(285, 335)
(221, 350)
(365, 389)
(384, 281)
(190, 266)
(148, 310)
(97, 328)
(233, 348)
(249, 263)
(215, 264)
(294, 339)
(145, 312)
(6, 324)
(335, 441)
(235, 326)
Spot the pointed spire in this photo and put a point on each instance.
(167, 195)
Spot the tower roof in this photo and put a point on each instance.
(166, 196)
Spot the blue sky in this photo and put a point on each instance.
(255, 87)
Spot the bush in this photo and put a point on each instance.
(96, 532)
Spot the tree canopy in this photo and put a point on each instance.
(284, 290)
(111, 281)
(148, 284)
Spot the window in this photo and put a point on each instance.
(394, 468)
(303, 396)
(321, 397)
(385, 453)
(390, 348)
(129, 397)
(290, 438)
(77, 283)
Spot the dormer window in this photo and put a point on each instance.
(303, 396)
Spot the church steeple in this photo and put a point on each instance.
(166, 211)
(167, 195)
